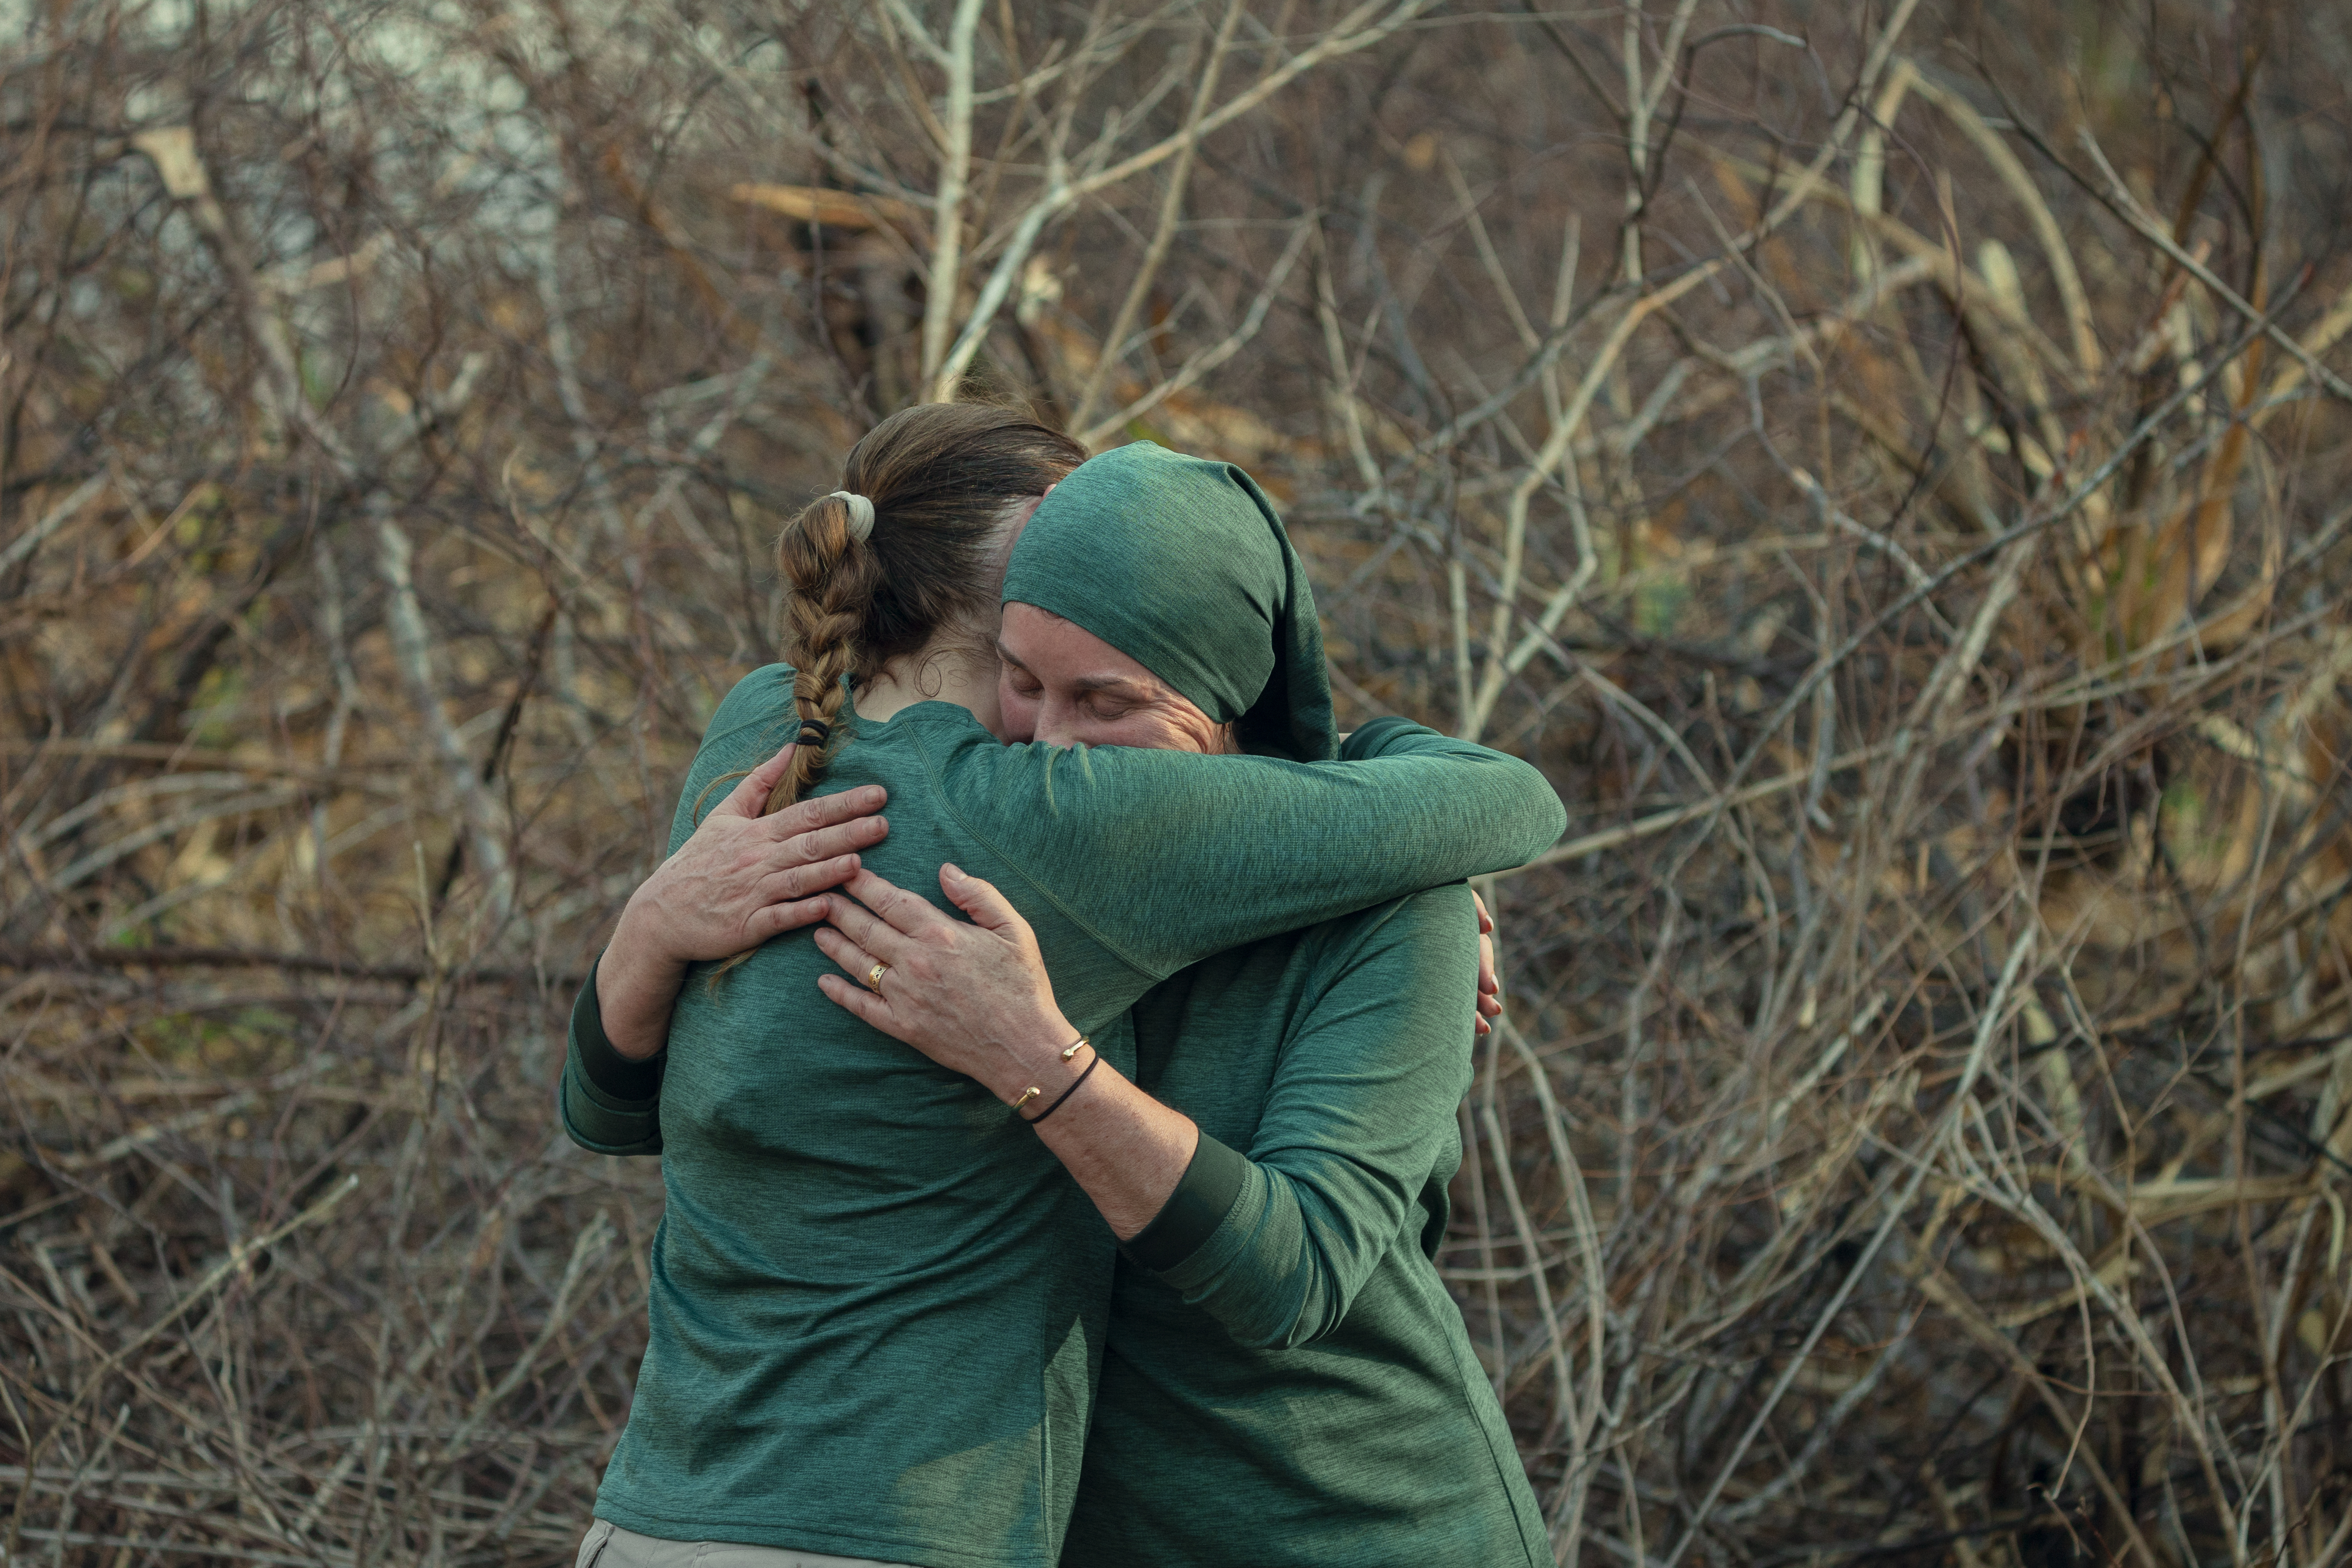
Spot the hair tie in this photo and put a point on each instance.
(861, 514)
(824, 732)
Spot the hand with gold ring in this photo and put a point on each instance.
(743, 876)
(972, 995)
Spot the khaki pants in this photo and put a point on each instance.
(610, 1546)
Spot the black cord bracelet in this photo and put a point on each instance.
(1082, 1078)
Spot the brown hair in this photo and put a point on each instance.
(940, 476)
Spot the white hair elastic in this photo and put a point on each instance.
(861, 514)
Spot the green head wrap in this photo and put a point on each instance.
(1182, 564)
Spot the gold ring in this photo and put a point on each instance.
(873, 977)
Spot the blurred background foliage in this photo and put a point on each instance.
(1884, 461)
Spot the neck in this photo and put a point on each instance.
(944, 670)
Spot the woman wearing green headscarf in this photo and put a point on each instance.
(875, 1302)
(1285, 1380)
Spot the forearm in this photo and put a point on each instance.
(1125, 1149)
(637, 986)
(1519, 813)
(1240, 848)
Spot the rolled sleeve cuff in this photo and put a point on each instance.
(1193, 1212)
(615, 1081)
(1374, 738)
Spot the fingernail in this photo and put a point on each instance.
(952, 869)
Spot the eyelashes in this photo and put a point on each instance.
(1099, 708)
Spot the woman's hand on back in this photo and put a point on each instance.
(739, 879)
(743, 877)
(972, 996)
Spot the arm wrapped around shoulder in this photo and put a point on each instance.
(1511, 799)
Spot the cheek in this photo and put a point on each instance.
(1019, 710)
(1151, 730)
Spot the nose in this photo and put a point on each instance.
(1055, 722)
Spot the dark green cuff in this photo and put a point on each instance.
(625, 1133)
(1369, 741)
(630, 1083)
(1194, 1210)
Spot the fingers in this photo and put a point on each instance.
(749, 795)
(855, 961)
(856, 999)
(988, 908)
(1490, 984)
(862, 926)
(844, 838)
(774, 920)
(825, 810)
(905, 912)
(1485, 920)
(806, 882)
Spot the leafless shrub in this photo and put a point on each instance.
(1884, 462)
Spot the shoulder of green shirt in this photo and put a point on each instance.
(744, 703)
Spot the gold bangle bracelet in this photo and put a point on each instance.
(1031, 1092)
(1075, 1047)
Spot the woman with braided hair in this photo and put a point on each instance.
(877, 1300)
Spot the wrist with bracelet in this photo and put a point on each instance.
(1035, 1090)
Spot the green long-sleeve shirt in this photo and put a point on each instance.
(1287, 1381)
(875, 1297)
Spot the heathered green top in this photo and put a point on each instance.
(875, 1297)
(1287, 1381)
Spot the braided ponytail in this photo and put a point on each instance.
(942, 478)
(831, 576)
